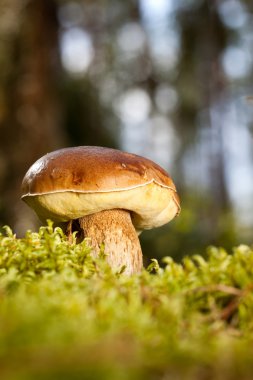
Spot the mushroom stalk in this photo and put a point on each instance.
(114, 230)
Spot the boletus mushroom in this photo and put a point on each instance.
(105, 194)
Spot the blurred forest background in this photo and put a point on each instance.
(167, 79)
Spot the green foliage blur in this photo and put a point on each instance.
(192, 231)
(64, 314)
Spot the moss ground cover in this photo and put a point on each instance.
(64, 315)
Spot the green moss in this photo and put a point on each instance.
(64, 315)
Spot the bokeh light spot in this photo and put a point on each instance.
(236, 62)
(134, 106)
(76, 50)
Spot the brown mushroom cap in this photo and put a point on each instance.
(73, 182)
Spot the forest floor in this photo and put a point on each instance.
(64, 315)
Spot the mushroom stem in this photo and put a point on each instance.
(115, 230)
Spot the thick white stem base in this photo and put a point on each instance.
(114, 230)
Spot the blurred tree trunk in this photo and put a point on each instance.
(201, 83)
(30, 126)
(217, 86)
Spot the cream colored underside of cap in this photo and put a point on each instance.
(151, 205)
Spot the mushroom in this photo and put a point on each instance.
(107, 195)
